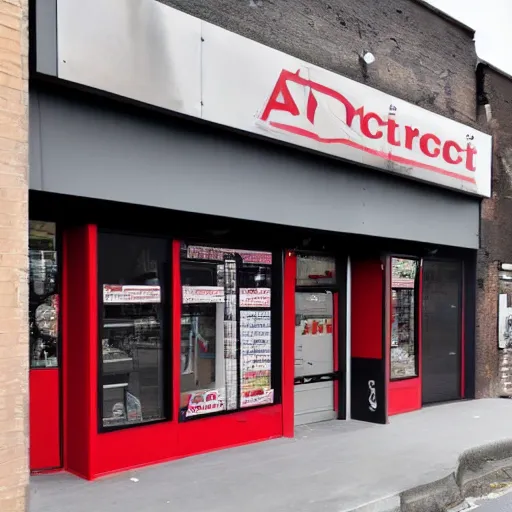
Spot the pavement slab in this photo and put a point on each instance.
(333, 466)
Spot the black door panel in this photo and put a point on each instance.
(441, 331)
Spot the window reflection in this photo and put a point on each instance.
(133, 272)
(225, 330)
(43, 295)
(403, 318)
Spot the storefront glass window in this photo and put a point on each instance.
(315, 270)
(403, 318)
(133, 276)
(225, 330)
(43, 295)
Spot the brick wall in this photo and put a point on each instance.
(420, 56)
(13, 254)
(495, 114)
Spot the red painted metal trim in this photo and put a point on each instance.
(80, 350)
(288, 371)
(404, 396)
(419, 345)
(463, 337)
(92, 292)
(367, 309)
(176, 328)
(388, 301)
(64, 341)
(336, 348)
(45, 424)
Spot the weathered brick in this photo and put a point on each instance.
(495, 236)
(13, 255)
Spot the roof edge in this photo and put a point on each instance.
(445, 16)
(481, 62)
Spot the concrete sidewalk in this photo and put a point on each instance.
(333, 467)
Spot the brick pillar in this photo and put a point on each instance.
(13, 255)
(487, 365)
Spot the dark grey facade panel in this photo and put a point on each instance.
(46, 36)
(34, 145)
(108, 154)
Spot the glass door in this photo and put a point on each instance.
(314, 357)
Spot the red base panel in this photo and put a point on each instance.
(404, 396)
(208, 434)
(45, 432)
(152, 444)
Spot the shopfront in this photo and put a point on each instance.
(193, 288)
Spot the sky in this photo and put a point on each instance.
(492, 20)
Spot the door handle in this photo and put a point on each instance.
(452, 353)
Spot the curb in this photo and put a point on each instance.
(479, 472)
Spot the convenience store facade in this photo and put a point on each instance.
(226, 242)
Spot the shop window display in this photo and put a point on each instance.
(43, 295)
(403, 318)
(314, 329)
(133, 276)
(225, 330)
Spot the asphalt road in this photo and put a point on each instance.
(501, 504)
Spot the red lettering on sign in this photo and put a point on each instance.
(447, 152)
(434, 150)
(371, 126)
(410, 134)
(392, 137)
(470, 158)
(365, 125)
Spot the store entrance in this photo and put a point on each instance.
(441, 331)
(314, 357)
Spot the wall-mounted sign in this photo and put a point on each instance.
(196, 68)
(119, 294)
(202, 294)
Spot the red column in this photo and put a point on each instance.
(80, 351)
(176, 328)
(290, 271)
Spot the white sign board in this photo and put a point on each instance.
(205, 402)
(202, 294)
(201, 70)
(254, 297)
(255, 88)
(119, 294)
